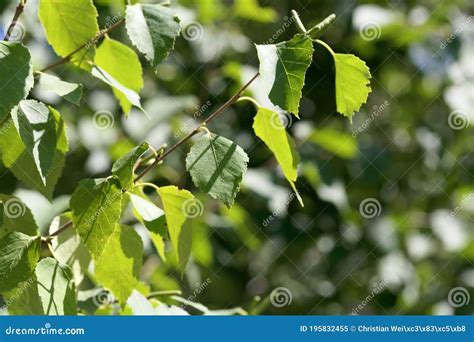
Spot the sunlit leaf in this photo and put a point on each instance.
(268, 127)
(174, 205)
(68, 25)
(153, 29)
(16, 76)
(56, 287)
(119, 66)
(71, 92)
(283, 68)
(123, 167)
(217, 166)
(19, 254)
(96, 209)
(119, 266)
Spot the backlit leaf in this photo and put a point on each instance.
(96, 209)
(56, 287)
(174, 205)
(123, 167)
(19, 254)
(16, 76)
(71, 92)
(268, 127)
(121, 64)
(352, 83)
(68, 25)
(119, 266)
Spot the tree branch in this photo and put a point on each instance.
(214, 115)
(173, 148)
(18, 12)
(90, 42)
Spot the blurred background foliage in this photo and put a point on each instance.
(400, 150)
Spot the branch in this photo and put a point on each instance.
(90, 42)
(173, 148)
(214, 115)
(18, 12)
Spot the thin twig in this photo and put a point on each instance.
(173, 148)
(90, 42)
(18, 12)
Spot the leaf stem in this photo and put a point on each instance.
(320, 42)
(250, 99)
(163, 293)
(151, 185)
(90, 42)
(18, 12)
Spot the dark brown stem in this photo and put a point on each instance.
(214, 115)
(173, 148)
(60, 230)
(18, 12)
(90, 42)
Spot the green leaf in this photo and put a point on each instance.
(71, 92)
(283, 68)
(69, 249)
(122, 66)
(123, 167)
(16, 76)
(153, 218)
(56, 287)
(153, 30)
(129, 95)
(96, 209)
(119, 267)
(68, 25)
(268, 127)
(36, 126)
(19, 254)
(339, 143)
(21, 154)
(24, 299)
(250, 9)
(174, 204)
(17, 217)
(217, 166)
(352, 83)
